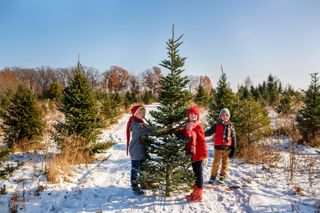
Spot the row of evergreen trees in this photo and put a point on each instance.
(167, 166)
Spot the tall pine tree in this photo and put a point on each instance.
(202, 97)
(22, 118)
(79, 105)
(167, 166)
(308, 117)
(251, 121)
(223, 97)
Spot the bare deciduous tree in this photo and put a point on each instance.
(116, 79)
(151, 79)
(206, 83)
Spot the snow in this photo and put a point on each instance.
(104, 185)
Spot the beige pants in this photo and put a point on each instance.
(218, 155)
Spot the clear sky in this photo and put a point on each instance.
(248, 37)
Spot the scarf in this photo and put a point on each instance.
(226, 130)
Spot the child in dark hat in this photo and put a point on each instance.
(224, 144)
(136, 146)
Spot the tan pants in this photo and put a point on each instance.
(218, 155)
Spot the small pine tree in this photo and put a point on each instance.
(202, 97)
(110, 108)
(244, 93)
(79, 105)
(54, 92)
(251, 121)
(5, 101)
(273, 90)
(308, 117)
(223, 97)
(284, 106)
(167, 166)
(147, 97)
(22, 118)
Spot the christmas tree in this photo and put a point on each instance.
(251, 121)
(222, 97)
(22, 119)
(167, 166)
(202, 97)
(79, 106)
(308, 117)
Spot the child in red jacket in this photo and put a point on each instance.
(197, 147)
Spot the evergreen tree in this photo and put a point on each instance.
(284, 106)
(110, 108)
(147, 97)
(308, 117)
(223, 97)
(128, 100)
(202, 97)
(243, 93)
(79, 105)
(251, 121)
(54, 92)
(5, 101)
(273, 90)
(22, 118)
(167, 166)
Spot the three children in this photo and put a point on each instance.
(224, 146)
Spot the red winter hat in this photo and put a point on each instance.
(135, 109)
(196, 110)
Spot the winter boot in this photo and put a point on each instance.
(136, 190)
(222, 180)
(197, 195)
(190, 195)
(212, 179)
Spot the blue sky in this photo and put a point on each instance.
(248, 37)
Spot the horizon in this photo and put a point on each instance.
(248, 38)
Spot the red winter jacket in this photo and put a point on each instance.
(201, 145)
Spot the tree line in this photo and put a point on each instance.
(90, 100)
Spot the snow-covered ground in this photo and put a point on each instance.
(104, 185)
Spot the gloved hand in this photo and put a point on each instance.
(231, 154)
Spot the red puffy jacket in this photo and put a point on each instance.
(201, 144)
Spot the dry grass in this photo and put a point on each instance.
(58, 167)
(25, 145)
(73, 151)
(14, 202)
(259, 154)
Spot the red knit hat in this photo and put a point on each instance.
(196, 110)
(133, 110)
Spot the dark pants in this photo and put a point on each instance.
(136, 167)
(197, 169)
